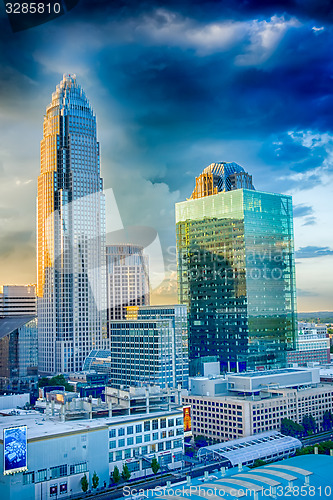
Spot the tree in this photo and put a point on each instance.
(95, 480)
(309, 424)
(291, 428)
(116, 475)
(155, 465)
(84, 483)
(125, 474)
(258, 463)
(57, 380)
(200, 441)
(327, 420)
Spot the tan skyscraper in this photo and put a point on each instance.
(70, 233)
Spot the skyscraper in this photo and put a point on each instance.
(127, 279)
(70, 233)
(236, 271)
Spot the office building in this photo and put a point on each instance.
(127, 279)
(17, 300)
(243, 404)
(58, 453)
(18, 337)
(149, 347)
(18, 353)
(312, 345)
(236, 273)
(70, 233)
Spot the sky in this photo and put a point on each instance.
(176, 86)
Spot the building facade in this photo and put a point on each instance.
(312, 345)
(60, 453)
(245, 404)
(149, 347)
(127, 279)
(236, 274)
(70, 233)
(18, 353)
(17, 300)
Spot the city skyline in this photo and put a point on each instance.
(176, 88)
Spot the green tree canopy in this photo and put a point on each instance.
(116, 475)
(84, 484)
(56, 380)
(291, 428)
(155, 465)
(95, 480)
(125, 474)
(309, 424)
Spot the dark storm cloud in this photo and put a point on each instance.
(312, 251)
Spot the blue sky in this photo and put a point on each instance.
(177, 86)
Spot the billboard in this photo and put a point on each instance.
(15, 449)
(187, 421)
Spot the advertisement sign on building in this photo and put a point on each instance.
(187, 421)
(15, 449)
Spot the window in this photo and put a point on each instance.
(130, 429)
(163, 423)
(121, 442)
(179, 421)
(180, 431)
(163, 434)
(155, 436)
(144, 450)
(112, 444)
(110, 456)
(171, 422)
(127, 453)
(138, 428)
(146, 438)
(77, 468)
(28, 477)
(41, 475)
(138, 439)
(168, 445)
(147, 426)
(59, 471)
(121, 431)
(119, 455)
(112, 433)
(160, 446)
(133, 466)
(130, 441)
(155, 424)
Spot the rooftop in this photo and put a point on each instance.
(301, 473)
(39, 426)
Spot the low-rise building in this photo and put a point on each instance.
(243, 404)
(58, 453)
(312, 345)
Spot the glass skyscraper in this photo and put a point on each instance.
(148, 348)
(127, 279)
(236, 272)
(70, 233)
